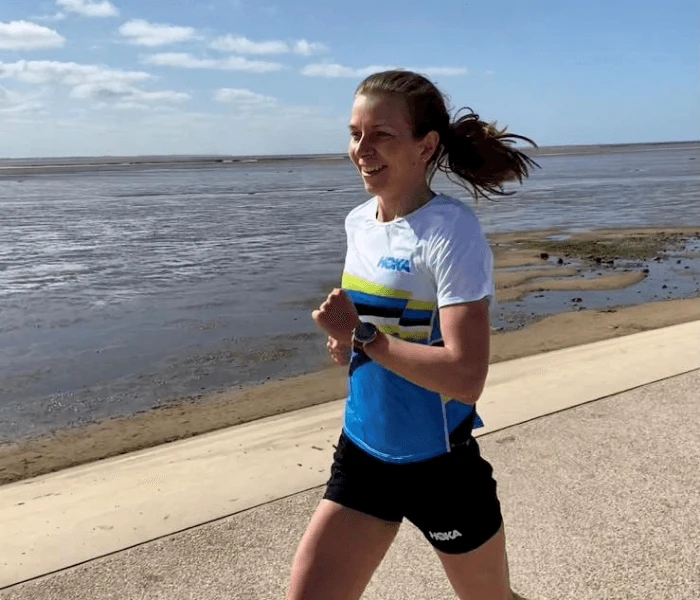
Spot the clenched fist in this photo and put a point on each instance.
(337, 316)
(340, 353)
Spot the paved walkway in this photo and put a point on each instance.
(601, 501)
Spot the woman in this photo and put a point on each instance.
(412, 322)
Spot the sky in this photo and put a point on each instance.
(241, 77)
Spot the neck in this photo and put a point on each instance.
(393, 206)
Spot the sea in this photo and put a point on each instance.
(129, 283)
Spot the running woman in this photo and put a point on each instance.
(411, 322)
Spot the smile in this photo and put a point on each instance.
(373, 171)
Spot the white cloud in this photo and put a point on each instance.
(59, 16)
(123, 92)
(308, 48)
(233, 63)
(244, 98)
(24, 35)
(90, 8)
(131, 106)
(243, 45)
(90, 82)
(337, 70)
(66, 73)
(142, 33)
(14, 103)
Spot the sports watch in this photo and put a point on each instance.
(363, 334)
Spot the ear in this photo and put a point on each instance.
(429, 144)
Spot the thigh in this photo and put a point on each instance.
(350, 531)
(365, 483)
(457, 509)
(454, 500)
(482, 573)
(338, 554)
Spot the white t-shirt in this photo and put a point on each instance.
(399, 274)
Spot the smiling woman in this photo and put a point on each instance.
(412, 322)
(478, 153)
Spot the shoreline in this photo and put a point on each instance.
(533, 264)
(31, 457)
(27, 166)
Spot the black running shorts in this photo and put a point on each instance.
(451, 498)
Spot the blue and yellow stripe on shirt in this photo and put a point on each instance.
(395, 311)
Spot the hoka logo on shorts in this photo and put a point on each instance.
(402, 265)
(445, 536)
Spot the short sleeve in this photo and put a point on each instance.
(461, 261)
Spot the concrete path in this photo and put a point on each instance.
(601, 503)
(63, 519)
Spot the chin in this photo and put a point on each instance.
(370, 189)
(374, 187)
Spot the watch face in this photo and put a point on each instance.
(365, 332)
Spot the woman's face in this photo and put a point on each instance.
(383, 148)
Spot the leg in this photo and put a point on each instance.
(339, 553)
(461, 518)
(481, 574)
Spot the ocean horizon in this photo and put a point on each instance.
(9, 164)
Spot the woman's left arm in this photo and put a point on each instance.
(458, 369)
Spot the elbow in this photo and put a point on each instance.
(471, 384)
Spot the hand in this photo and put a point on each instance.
(340, 353)
(337, 316)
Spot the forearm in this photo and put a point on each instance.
(436, 368)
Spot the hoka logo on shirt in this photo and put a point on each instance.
(402, 265)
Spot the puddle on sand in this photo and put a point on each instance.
(672, 275)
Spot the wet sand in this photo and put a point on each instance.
(543, 262)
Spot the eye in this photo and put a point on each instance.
(355, 135)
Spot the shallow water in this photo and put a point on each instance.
(120, 290)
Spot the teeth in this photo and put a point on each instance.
(370, 171)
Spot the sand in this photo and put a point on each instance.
(614, 281)
(531, 262)
(31, 457)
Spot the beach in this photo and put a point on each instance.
(590, 286)
(151, 299)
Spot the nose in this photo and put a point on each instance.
(364, 147)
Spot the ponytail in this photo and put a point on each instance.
(481, 156)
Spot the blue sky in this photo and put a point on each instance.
(125, 77)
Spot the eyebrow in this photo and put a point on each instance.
(351, 126)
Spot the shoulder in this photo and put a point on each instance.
(459, 255)
(449, 220)
(358, 215)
